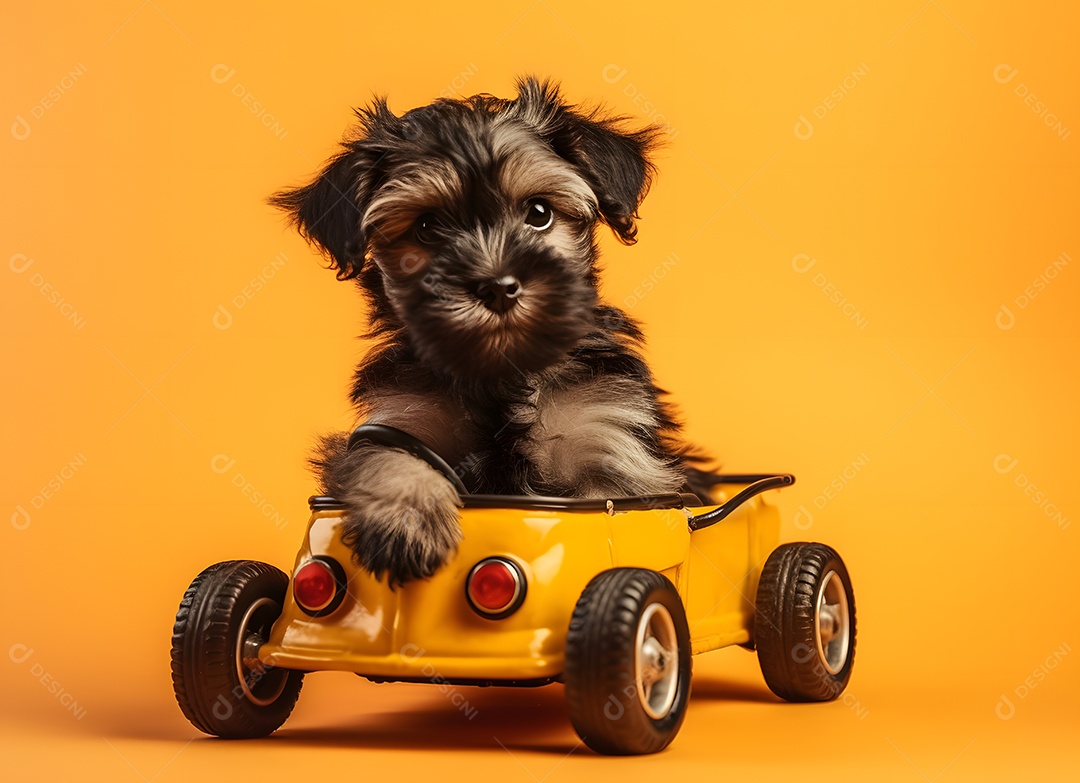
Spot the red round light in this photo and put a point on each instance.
(493, 586)
(314, 585)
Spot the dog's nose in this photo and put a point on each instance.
(501, 294)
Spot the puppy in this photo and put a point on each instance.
(470, 226)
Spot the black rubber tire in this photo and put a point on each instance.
(784, 623)
(209, 687)
(601, 679)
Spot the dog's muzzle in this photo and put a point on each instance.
(500, 295)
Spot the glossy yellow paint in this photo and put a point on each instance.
(724, 564)
(426, 629)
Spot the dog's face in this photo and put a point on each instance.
(471, 223)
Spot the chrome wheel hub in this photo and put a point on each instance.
(832, 623)
(656, 661)
(260, 684)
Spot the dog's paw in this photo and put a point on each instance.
(402, 517)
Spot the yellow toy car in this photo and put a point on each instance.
(609, 596)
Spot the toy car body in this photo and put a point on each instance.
(610, 596)
(403, 633)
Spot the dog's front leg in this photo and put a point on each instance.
(601, 439)
(402, 514)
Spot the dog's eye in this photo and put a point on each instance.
(427, 228)
(539, 214)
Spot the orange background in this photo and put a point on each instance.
(929, 195)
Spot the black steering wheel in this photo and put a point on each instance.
(392, 437)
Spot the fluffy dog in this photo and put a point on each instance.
(470, 227)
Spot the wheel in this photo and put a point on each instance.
(804, 627)
(628, 662)
(225, 616)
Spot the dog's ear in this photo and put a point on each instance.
(329, 210)
(613, 160)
